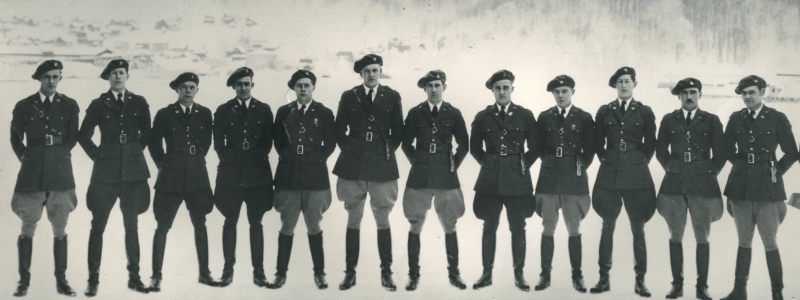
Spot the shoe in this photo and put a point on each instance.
(136, 285)
(412, 284)
(60, 255)
(702, 255)
(352, 245)
(319, 280)
(318, 259)
(25, 251)
(640, 289)
(676, 264)
(348, 282)
(280, 280)
(207, 280)
(575, 259)
(284, 254)
(519, 280)
(602, 286)
(488, 247)
(155, 285)
(547, 248)
(385, 253)
(451, 248)
(775, 268)
(484, 281)
(742, 273)
(260, 279)
(229, 254)
(413, 261)
(91, 289)
(386, 281)
(257, 255)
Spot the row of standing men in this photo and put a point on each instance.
(368, 128)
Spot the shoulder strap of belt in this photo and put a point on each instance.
(41, 115)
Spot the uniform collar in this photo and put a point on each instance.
(42, 96)
(568, 109)
(758, 111)
(694, 112)
(245, 102)
(438, 106)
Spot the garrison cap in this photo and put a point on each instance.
(559, 81)
(499, 75)
(367, 60)
(432, 76)
(750, 81)
(113, 65)
(300, 74)
(239, 74)
(687, 83)
(46, 66)
(188, 76)
(621, 71)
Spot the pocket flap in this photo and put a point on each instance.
(706, 167)
(549, 161)
(421, 157)
(674, 166)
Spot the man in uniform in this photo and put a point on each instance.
(369, 128)
(505, 177)
(243, 140)
(567, 133)
(305, 136)
(626, 137)
(120, 170)
(433, 177)
(691, 148)
(755, 188)
(185, 128)
(48, 123)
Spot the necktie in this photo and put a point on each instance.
(435, 111)
(47, 103)
(502, 112)
(689, 118)
(243, 107)
(119, 100)
(562, 116)
(187, 113)
(369, 98)
(303, 109)
(752, 116)
(623, 106)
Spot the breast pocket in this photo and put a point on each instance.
(447, 127)
(769, 137)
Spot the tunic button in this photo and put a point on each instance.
(621, 131)
(45, 126)
(433, 140)
(751, 131)
(245, 131)
(368, 127)
(623, 123)
(188, 143)
(501, 137)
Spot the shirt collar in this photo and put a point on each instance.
(42, 96)
(694, 112)
(184, 107)
(567, 109)
(758, 111)
(438, 106)
(301, 105)
(116, 94)
(374, 90)
(499, 107)
(627, 102)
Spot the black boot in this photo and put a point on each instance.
(159, 244)
(676, 262)
(95, 256)
(284, 253)
(60, 255)
(318, 258)
(775, 273)
(518, 248)
(257, 255)
(742, 273)
(201, 243)
(132, 252)
(640, 263)
(385, 253)
(25, 250)
(413, 261)
(604, 258)
(702, 255)
(488, 246)
(229, 253)
(547, 248)
(451, 247)
(352, 244)
(575, 259)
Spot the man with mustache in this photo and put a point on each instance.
(369, 128)
(48, 123)
(243, 140)
(305, 136)
(185, 128)
(505, 177)
(691, 148)
(120, 170)
(626, 141)
(567, 133)
(755, 187)
(433, 176)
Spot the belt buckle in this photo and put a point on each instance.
(503, 150)
(48, 140)
(432, 148)
(369, 136)
(687, 156)
(299, 149)
(123, 138)
(751, 158)
(559, 151)
(623, 146)
(192, 150)
(246, 145)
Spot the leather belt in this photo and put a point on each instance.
(191, 150)
(48, 140)
(305, 150)
(504, 150)
(752, 158)
(433, 148)
(691, 156)
(118, 139)
(625, 146)
(243, 145)
(368, 136)
(560, 151)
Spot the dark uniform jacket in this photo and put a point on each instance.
(751, 149)
(182, 168)
(124, 133)
(51, 135)
(243, 142)
(566, 145)
(692, 155)
(625, 145)
(433, 163)
(304, 143)
(505, 166)
(364, 154)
